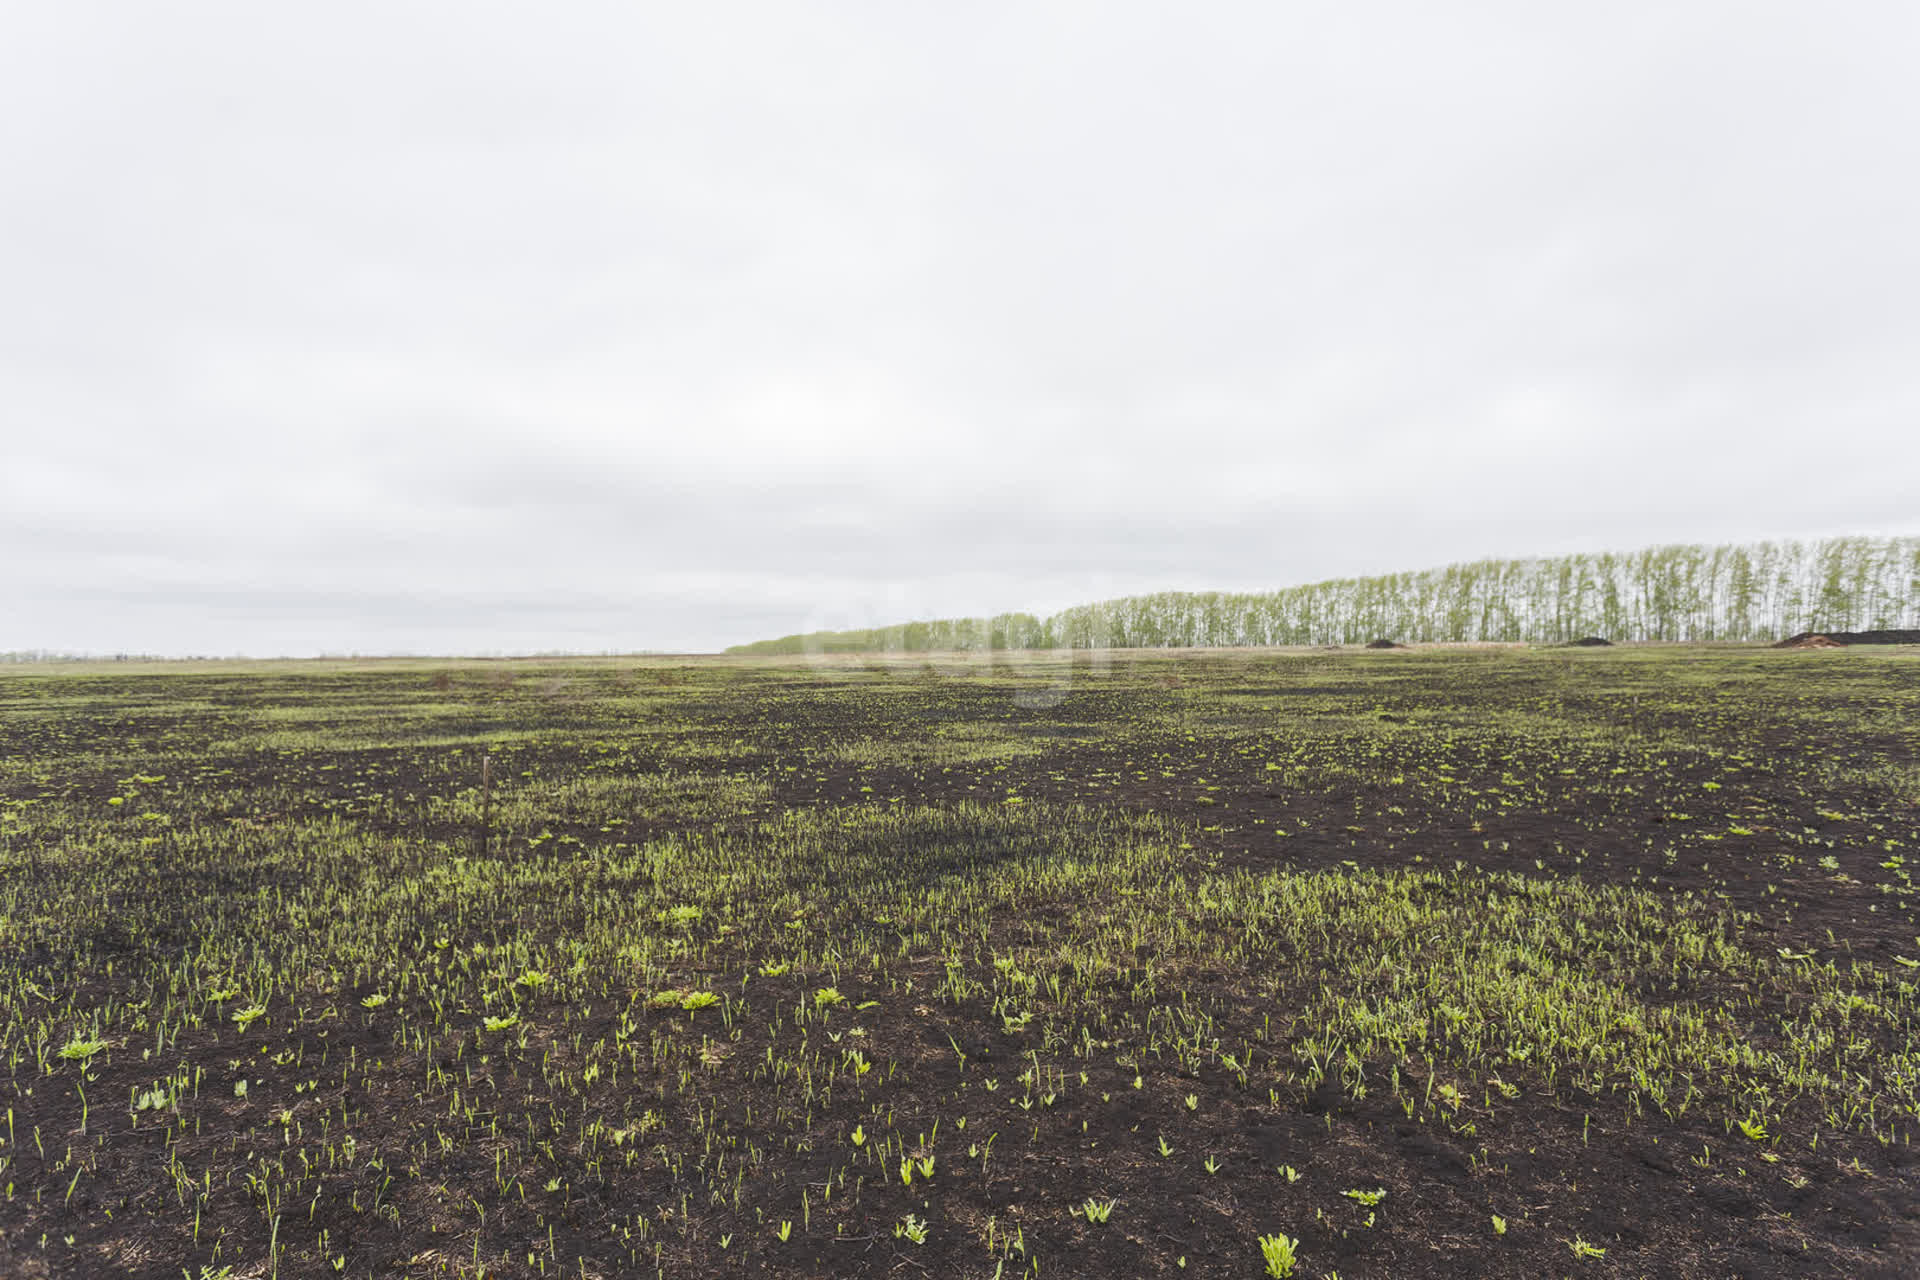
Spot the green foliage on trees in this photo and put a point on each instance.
(1755, 592)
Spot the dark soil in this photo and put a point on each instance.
(1875, 637)
(1616, 768)
(1592, 642)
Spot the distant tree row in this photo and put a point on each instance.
(1753, 592)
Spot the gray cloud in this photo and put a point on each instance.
(469, 328)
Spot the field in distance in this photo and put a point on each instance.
(1497, 962)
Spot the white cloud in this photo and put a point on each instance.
(463, 327)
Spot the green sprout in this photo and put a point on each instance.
(81, 1050)
(1095, 1210)
(1278, 1250)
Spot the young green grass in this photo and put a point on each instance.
(694, 993)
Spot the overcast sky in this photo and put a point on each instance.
(485, 328)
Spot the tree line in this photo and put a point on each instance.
(1751, 592)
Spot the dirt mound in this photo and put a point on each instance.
(1840, 639)
(1875, 637)
(1810, 640)
(1384, 643)
(1592, 642)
